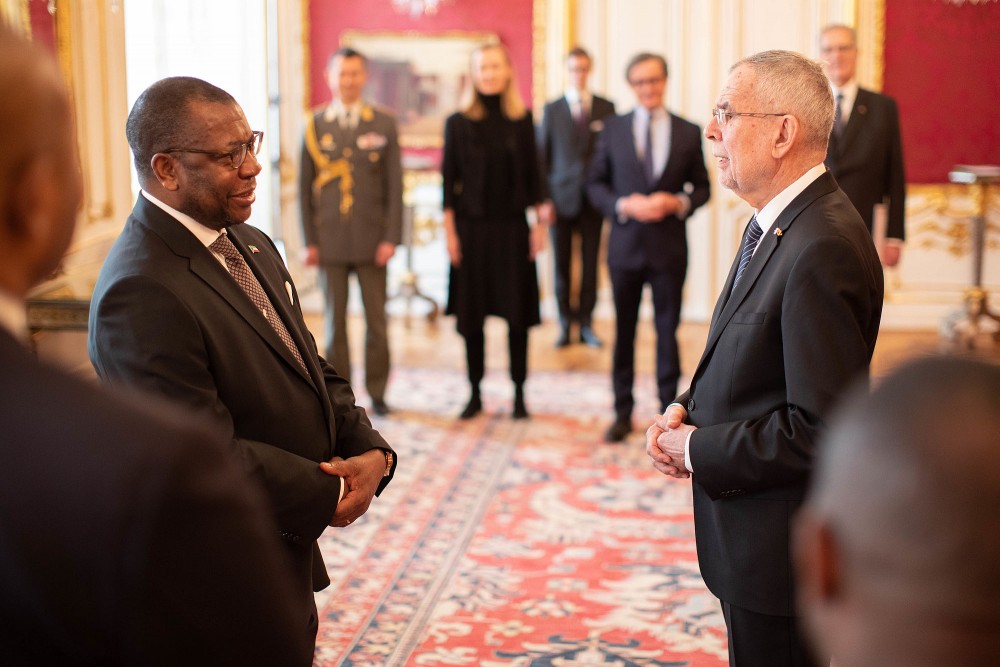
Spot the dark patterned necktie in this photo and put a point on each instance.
(647, 156)
(749, 245)
(242, 274)
(838, 117)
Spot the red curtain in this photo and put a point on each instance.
(942, 65)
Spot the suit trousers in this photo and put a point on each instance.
(588, 225)
(626, 286)
(475, 355)
(372, 280)
(762, 640)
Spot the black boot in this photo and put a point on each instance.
(474, 407)
(520, 410)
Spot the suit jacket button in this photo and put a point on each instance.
(690, 405)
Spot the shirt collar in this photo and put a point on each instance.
(206, 235)
(767, 215)
(574, 96)
(644, 113)
(849, 90)
(336, 109)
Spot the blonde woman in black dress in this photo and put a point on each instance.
(491, 176)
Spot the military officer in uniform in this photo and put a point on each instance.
(351, 194)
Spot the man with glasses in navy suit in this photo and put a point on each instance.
(648, 176)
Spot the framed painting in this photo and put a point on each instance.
(420, 77)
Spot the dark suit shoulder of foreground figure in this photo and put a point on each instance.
(129, 536)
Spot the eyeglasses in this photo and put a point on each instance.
(639, 83)
(236, 156)
(722, 116)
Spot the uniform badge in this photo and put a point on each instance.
(326, 142)
(372, 141)
(367, 114)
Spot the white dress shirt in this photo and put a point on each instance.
(850, 94)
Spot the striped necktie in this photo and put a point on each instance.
(242, 274)
(749, 245)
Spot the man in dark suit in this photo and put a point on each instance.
(796, 322)
(195, 305)
(351, 196)
(128, 535)
(897, 545)
(648, 176)
(566, 141)
(865, 154)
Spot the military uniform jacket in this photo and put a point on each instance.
(352, 195)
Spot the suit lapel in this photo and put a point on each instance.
(859, 116)
(769, 246)
(206, 267)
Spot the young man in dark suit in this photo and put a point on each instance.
(195, 305)
(648, 176)
(566, 142)
(865, 154)
(795, 324)
(351, 197)
(128, 534)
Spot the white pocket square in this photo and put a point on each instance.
(291, 295)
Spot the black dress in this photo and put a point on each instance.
(490, 176)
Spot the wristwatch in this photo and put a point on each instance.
(388, 463)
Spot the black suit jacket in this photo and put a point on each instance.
(616, 171)
(799, 327)
(129, 536)
(167, 316)
(566, 151)
(868, 160)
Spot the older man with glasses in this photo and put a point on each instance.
(796, 322)
(196, 305)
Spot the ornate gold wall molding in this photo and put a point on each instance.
(940, 217)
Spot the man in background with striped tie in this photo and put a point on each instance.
(796, 322)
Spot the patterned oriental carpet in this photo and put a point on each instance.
(506, 542)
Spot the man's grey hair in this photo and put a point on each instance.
(788, 82)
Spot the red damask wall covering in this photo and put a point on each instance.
(942, 65)
(511, 20)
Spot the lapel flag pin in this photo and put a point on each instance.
(253, 248)
(777, 232)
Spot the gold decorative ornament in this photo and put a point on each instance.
(328, 170)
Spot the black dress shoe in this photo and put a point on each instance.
(618, 430)
(563, 340)
(589, 338)
(474, 407)
(380, 407)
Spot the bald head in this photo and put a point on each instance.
(899, 541)
(40, 188)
